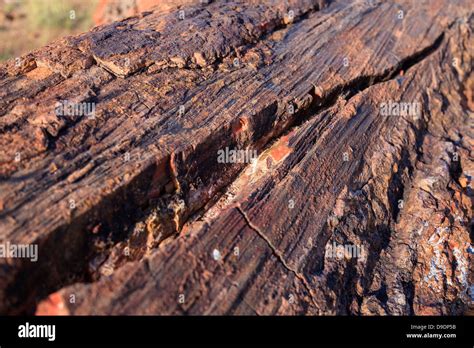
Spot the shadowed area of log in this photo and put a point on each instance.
(338, 178)
(147, 157)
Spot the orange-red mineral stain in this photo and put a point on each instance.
(39, 73)
(281, 149)
(53, 305)
(241, 125)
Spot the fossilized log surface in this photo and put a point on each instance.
(132, 206)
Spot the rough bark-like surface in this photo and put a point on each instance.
(134, 214)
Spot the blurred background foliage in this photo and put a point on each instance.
(28, 24)
(59, 14)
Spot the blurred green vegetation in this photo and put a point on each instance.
(59, 14)
(29, 24)
(9, 6)
(4, 55)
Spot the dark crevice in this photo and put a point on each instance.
(409, 292)
(359, 84)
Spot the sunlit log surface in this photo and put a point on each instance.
(253, 157)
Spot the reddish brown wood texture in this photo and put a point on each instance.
(133, 212)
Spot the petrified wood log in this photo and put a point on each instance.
(360, 113)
